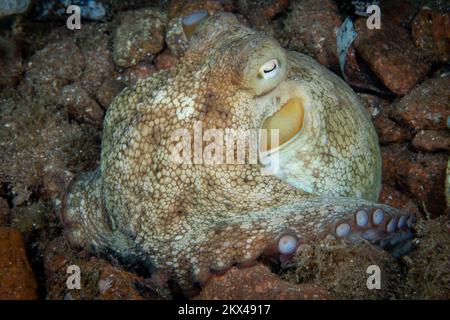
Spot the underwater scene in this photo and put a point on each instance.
(224, 150)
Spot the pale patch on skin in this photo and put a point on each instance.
(191, 220)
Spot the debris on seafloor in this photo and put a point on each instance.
(424, 274)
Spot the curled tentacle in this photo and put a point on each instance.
(192, 255)
(278, 232)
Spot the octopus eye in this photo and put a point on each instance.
(269, 69)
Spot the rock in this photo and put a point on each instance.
(175, 38)
(430, 140)
(400, 12)
(108, 91)
(357, 74)
(374, 104)
(388, 131)
(80, 106)
(260, 12)
(117, 284)
(431, 33)
(17, 281)
(165, 60)
(425, 107)
(141, 71)
(100, 280)
(93, 41)
(310, 28)
(394, 198)
(53, 67)
(88, 53)
(4, 210)
(422, 175)
(258, 283)
(393, 156)
(391, 55)
(139, 36)
(11, 7)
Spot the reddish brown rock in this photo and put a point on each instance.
(258, 13)
(424, 177)
(358, 74)
(17, 281)
(388, 131)
(165, 60)
(427, 106)
(394, 156)
(394, 198)
(100, 280)
(79, 105)
(374, 104)
(310, 27)
(117, 284)
(258, 283)
(391, 55)
(430, 140)
(431, 33)
(61, 60)
(399, 12)
(108, 91)
(421, 175)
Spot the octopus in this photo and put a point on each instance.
(166, 194)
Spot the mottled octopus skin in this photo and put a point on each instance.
(190, 220)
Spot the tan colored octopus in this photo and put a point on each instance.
(191, 219)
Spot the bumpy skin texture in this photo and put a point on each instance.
(193, 219)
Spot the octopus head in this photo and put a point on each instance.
(316, 129)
